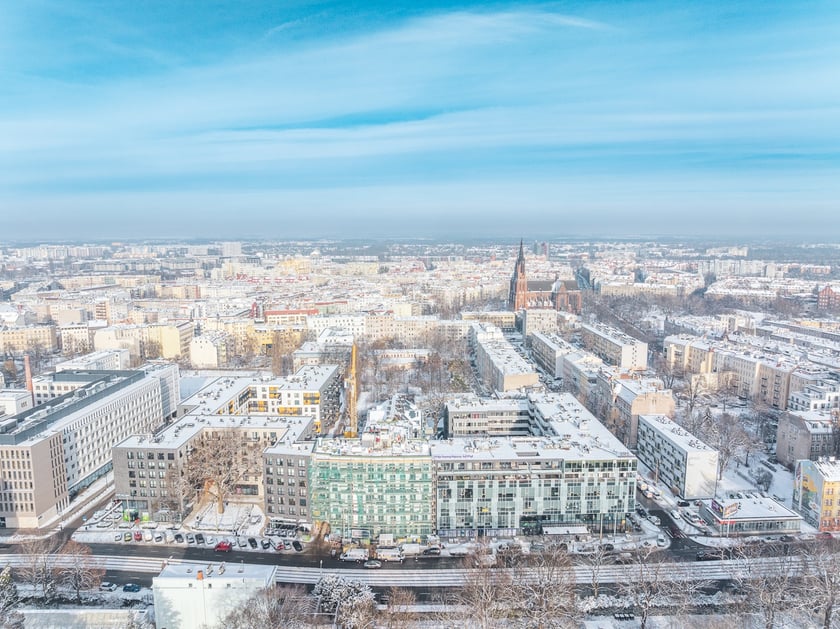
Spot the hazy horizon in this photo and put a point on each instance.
(439, 119)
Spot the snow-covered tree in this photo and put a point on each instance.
(352, 602)
(9, 616)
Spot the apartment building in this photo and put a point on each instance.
(806, 435)
(614, 346)
(286, 474)
(169, 341)
(52, 451)
(823, 395)
(378, 484)
(472, 416)
(548, 350)
(108, 360)
(147, 467)
(312, 391)
(574, 474)
(676, 457)
(498, 365)
(30, 338)
(505, 320)
(816, 492)
(621, 397)
(210, 350)
(747, 368)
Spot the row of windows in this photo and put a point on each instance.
(151, 455)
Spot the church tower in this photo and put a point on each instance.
(518, 295)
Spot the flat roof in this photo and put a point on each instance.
(750, 507)
(288, 428)
(676, 433)
(216, 572)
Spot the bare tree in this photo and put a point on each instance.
(283, 343)
(289, 607)
(651, 583)
(398, 612)
(727, 435)
(769, 585)
(484, 599)
(542, 591)
(595, 563)
(220, 460)
(821, 584)
(78, 570)
(690, 392)
(38, 568)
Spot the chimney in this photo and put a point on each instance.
(28, 371)
(27, 368)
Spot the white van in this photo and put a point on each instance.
(389, 554)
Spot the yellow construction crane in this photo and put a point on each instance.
(351, 391)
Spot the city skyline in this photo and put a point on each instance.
(395, 119)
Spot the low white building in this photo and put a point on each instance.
(103, 360)
(677, 457)
(190, 596)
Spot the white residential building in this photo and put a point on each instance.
(614, 346)
(677, 458)
(192, 596)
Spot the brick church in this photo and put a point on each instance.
(557, 294)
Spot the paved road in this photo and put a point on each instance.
(451, 577)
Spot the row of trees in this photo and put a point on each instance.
(800, 587)
(50, 563)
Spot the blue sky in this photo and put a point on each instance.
(275, 119)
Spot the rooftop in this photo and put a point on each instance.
(676, 433)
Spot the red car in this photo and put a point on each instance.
(138, 536)
(222, 547)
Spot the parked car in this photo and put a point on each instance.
(210, 540)
(131, 587)
(297, 545)
(242, 542)
(265, 543)
(706, 555)
(118, 537)
(372, 563)
(683, 503)
(147, 535)
(190, 538)
(138, 536)
(252, 542)
(158, 538)
(661, 541)
(222, 547)
(107, 586)
(126, 537)
(199, 538)
(179, 538)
